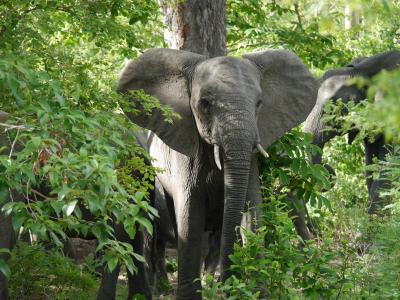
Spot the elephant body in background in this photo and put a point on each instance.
(229, 107)
(334, 86)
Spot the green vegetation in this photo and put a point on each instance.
(58, 65)
(38, 274)
(58, 59)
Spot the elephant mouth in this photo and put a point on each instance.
(217, 158)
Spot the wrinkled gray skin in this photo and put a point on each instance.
(227, 104)
(334, 86)
(137, 283)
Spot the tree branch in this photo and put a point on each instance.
(10, 126)
(297, 11)
(13, 144)
(41, 195)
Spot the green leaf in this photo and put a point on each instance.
(69, 207)
(55, 238)
(130, 228)
(17, 220)
(36, 140)
(4, 268)
(57, 206)
(95, 203)
(112, 263)
(5, 250)
(146, 223)
(139, 196)
(139, 258)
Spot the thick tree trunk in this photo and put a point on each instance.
(196, 25)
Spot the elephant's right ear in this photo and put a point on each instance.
(164, 74)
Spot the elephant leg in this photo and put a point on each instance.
(190, 214)
(371, 152)
(8, 239)
(108, 284)
(212, 258)
(138, 283)
(161, 272)
(298, 216)
(376, 149)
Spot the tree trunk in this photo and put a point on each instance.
(352, 16)
(196, 25)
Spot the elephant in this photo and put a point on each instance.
(334, 86)
(138, 283)
(230, 109)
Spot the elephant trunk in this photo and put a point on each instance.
(236, 177)
(319, 130)
(321, 135)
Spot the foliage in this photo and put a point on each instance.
(66, 140)
(40, 274)
(383, 96)
(264, 24)
(289, 170)
(314, 30)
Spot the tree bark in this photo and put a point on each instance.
(198, 26)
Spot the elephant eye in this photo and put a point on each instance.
(204, 104)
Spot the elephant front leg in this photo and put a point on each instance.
(376, 149)
(190, 219)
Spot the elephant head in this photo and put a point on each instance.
(234, 105)
(334, 86)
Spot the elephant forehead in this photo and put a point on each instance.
(330, 87)
(227, 72)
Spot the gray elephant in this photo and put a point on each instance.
(334, 86)
(229, 107)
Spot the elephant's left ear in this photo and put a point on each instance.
(289, 92)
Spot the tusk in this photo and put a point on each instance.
(262, 151)
(216, 157)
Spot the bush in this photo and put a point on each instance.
(40, 274)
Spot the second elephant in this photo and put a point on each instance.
(334, 86)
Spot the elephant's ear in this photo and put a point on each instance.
(164, 73)
(289, 92)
